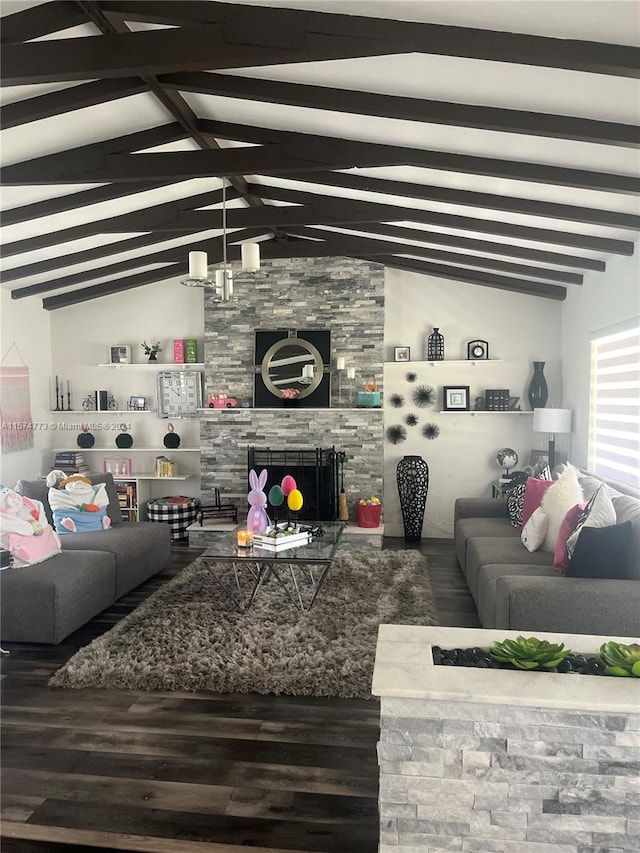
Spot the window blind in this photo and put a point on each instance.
(614, 422)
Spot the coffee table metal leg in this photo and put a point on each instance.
(258, 571)
(313, 584)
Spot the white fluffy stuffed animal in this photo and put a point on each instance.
(77, 505)
(24, 529)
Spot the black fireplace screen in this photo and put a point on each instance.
(315, 471)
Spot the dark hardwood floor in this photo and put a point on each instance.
(91, 770)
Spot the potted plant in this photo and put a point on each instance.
(151, 350)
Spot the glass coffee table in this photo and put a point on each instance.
(300, 571)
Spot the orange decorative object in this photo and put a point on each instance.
(244, 538)
(371, 385)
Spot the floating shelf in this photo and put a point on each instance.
(483, 412)
(128, 449)
(169, 365)
(120, 478)
(448, 361)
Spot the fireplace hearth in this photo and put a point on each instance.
(315, 471)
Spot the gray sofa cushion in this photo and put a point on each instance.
(466, 528)
(38, 490)
(46, 602)
(487, 581)
(141, 549)
(482, 550)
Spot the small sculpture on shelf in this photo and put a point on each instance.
(435, 345)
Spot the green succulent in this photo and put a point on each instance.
(529, 653)
(620, 659)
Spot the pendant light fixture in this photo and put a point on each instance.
(223, 284)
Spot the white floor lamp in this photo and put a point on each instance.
(552, 421)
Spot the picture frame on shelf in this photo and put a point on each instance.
(455, 398)
(120, 354)
(137, 404)
(118, 466)
(402, 353)
(538, 457)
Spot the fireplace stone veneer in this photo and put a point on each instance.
(497, 761)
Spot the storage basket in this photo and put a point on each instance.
(369, 515)
(178, 512)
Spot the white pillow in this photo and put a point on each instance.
(599, 512)
(533, 532)
(556, 502)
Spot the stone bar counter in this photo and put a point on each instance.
(503, 761)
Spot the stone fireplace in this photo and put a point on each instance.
(343, 295)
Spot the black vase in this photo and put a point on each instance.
(124, 440)
(412, 475)
(538, 393)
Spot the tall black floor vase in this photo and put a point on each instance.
(412, 475)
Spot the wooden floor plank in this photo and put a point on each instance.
(169, 772)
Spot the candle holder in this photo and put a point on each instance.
(244, 538)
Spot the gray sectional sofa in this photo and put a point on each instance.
(518, 590)
(46, 602)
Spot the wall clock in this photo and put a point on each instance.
(477, 350)
(120, 354)
(178, 394)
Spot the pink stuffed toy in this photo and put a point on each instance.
(257, 520)
(24, 529)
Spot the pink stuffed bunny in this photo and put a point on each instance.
(257, 519)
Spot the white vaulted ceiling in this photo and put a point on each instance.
(494, 143)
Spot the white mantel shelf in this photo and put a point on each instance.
(292, 409)
(404, 669)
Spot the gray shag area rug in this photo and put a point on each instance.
(182, 637)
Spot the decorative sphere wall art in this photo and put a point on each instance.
(396, 434)
(424, 396)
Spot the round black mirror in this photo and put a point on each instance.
(292, 368)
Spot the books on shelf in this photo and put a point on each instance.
(164, 467)
(71, 462)
(280, 538)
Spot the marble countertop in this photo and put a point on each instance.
(404, 669)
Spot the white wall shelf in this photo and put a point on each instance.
(149, 477)
(94, 412)
(128, 449)
(471, 361)
(483, 412)
(156, 365)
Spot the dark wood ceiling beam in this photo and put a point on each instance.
(150, 218)
(407, 109)
(73, 201)
(179, 254)
(346, 154)
(191, 48)
(108, 288)
(40, 21)
(335, 244)
(513, 285)
(490, 201)
(95, 154)
(296, 153)
(336, 209)
(67, 100)
(439, 39)
(469, 244)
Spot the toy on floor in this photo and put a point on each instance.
(24, 529)
(77, 505)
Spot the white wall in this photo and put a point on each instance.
(26, 325)
(601, 303)
(520, 329)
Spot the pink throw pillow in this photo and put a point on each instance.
(533, 494)
(560, 555)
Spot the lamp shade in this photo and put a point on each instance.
(552, 420)
(250, 257)
(198, 265)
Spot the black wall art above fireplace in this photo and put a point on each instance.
(292, 368)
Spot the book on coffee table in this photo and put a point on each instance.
(283, 538)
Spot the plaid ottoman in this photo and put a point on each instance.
(177, 511)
